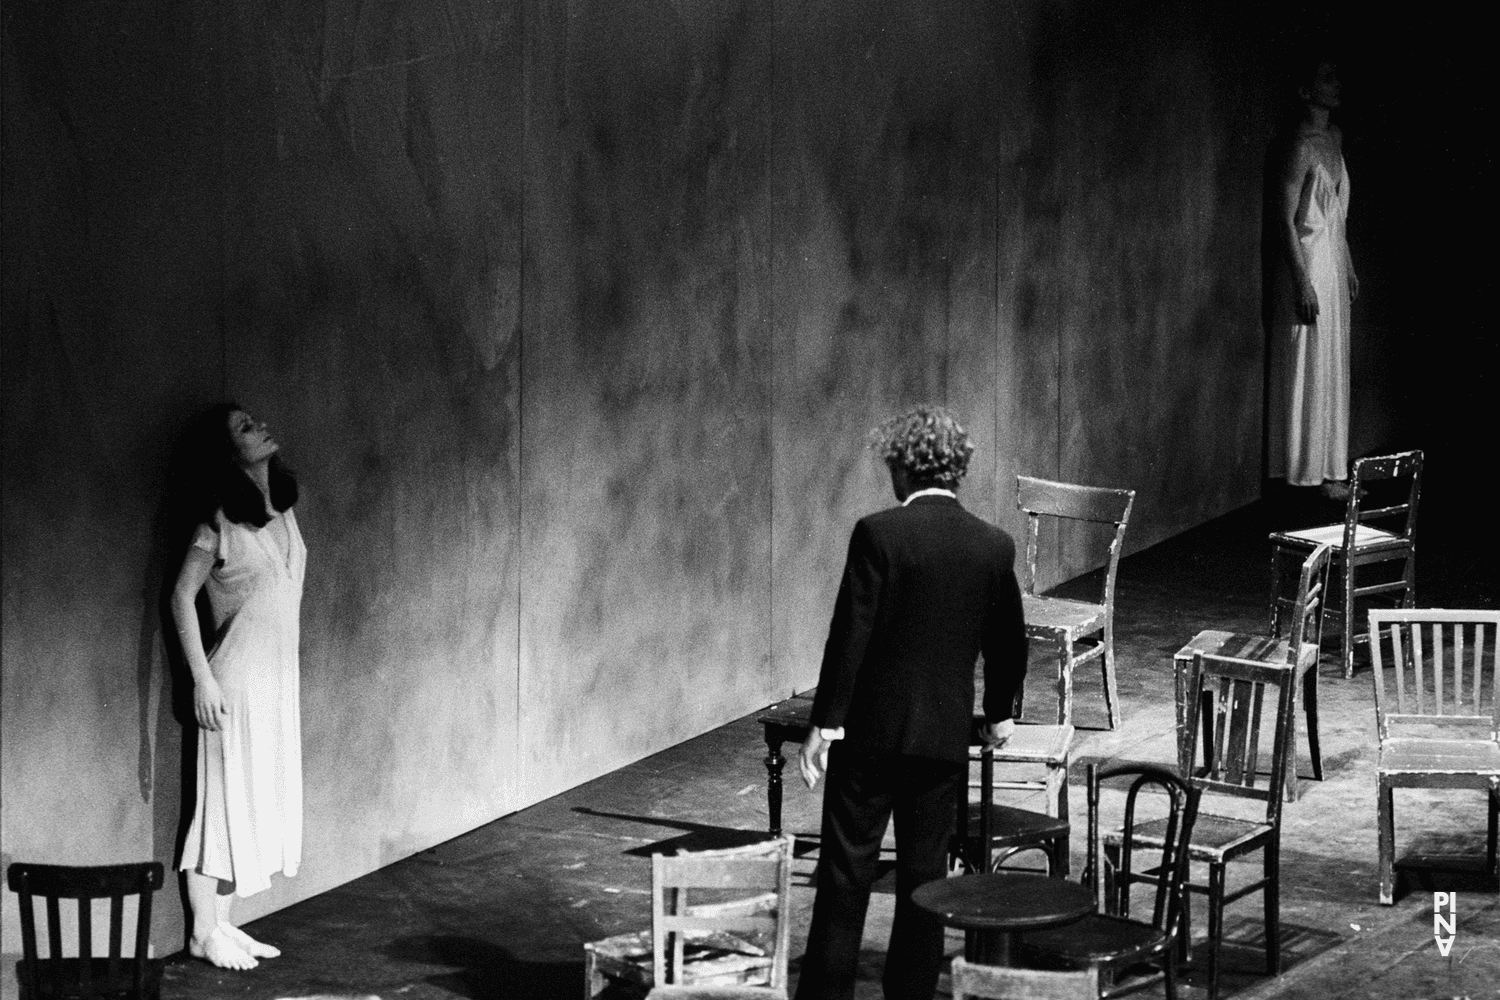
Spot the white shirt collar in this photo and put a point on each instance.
(931, 491)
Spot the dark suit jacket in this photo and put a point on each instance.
(926, 588)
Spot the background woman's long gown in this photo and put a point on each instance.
(248, 820)
(1310, 362)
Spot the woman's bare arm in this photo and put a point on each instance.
(1296, 176)
(208, 700)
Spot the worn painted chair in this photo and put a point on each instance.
(137, 977)
(972, 981)
(1384, 489)
(1063, 622)
(1300, 650)
(1243, 696)
(1111, 941)
(989, 833)
(725, 949)
(1437, 714)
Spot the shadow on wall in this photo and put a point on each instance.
(167, 767)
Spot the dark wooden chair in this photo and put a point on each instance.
(1383, 489)
(715, 948)
(1063, 622)
(1443, 728)
(1300, 650)
(117, 977)
(1007, 830)
(1112, 941)
(1242, 697)
(973, 981)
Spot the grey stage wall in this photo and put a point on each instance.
(572, 318)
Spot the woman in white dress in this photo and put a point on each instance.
(249, 555)
(1313, 286)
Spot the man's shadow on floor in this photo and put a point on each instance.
(483, 970)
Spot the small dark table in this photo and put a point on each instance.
(785, 721)
(992, 907)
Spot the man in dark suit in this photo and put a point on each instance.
(927, 587)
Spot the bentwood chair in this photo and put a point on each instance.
(1111, 942)
(972, 981)
(1068, 623)
(1442, 730)
(1383, 489)
(1299, 651)
(1244, 698)
(714, 948)
(136, 977)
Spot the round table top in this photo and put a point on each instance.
(1004, 901)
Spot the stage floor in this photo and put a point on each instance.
(503, 911)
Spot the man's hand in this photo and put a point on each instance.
(813, 761)
(996, 733)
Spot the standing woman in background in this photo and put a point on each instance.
(248, 553)
(1311, 283)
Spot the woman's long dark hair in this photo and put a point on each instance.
(220, 482)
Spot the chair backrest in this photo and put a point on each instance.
(1374, 497)
(994, 982)
(58, 882)
(1039, 498)
(1307, 611)
(1182, 811)
(1239, 694)
(764, 870)
(1442, 667)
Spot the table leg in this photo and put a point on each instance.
(774, 764)
(987, 947)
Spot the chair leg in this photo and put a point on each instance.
(1064, 681)
(1310, 709)
(1489, 856)
(1272, 899)
(1111, 690)
(1386, 820)
(1215, 925)
(1057, 790)
(1290, 790)
(1169, 970)
(593, 982)
(1348, 616)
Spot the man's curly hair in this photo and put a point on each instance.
(928, 442)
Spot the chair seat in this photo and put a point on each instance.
(1034, 744)
(1098, 937)
(63, 978)
(709, 959)
(1012, 827)
(1475, 757)
(1333, 534)
(716, 993)
(1047, 616)
(1215, 838)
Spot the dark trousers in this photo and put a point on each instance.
(860, 797)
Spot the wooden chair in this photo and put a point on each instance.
(1238, 694)
(1299, 651)
(1383, 488)
(1444, 729)
(1111, 941)
(720, 949)
(137, 977)
(1006, 830)
(1065, 622)
(972, 981)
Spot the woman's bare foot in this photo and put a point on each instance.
(251, 947)
(221, 950)
(1335, 490)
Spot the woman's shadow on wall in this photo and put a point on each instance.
(168, 731)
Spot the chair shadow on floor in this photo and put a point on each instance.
(481, 970)
(1242, 962)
